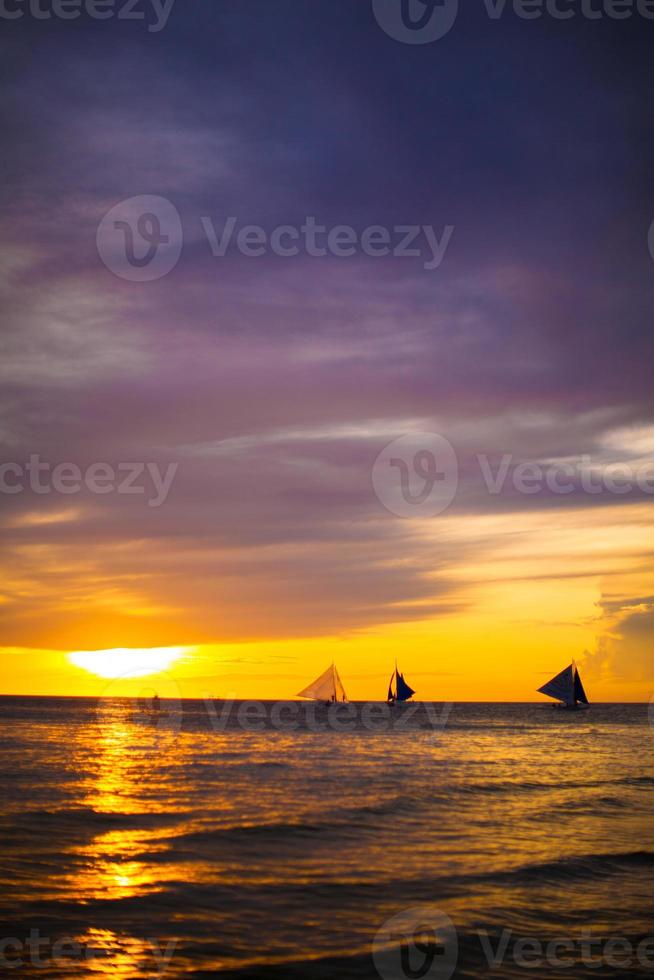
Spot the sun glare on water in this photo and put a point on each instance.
(125, 662)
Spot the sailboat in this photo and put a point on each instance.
(328, 687)
(566, 688)
(402, 690)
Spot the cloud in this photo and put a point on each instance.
(626, 651)
(274, 383)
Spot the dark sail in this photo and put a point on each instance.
(404, 692)
(580, 694)
(566, 687)
(560, 687)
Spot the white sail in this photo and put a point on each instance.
(327, 687)
(339, 690)
(561, 687)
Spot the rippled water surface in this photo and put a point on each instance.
(176, 837)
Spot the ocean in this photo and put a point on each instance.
(192, 840)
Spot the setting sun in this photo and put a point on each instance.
(124, 662)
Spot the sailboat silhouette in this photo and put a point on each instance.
(328, 687)
(402, 690)
(566, 688)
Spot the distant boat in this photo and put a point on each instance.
(566, 688)
(328, 687)
(402, 690)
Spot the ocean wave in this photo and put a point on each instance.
(253, 832)
(44, 821)
(590, 804)
(580, 867)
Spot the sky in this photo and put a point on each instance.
(269, 405)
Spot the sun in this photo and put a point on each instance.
(126, 662)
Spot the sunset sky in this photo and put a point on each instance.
(273, 383)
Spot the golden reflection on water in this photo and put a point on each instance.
(122, 956)
(119, 772)
(122, 755)
(113, 779)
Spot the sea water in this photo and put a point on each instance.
(189, 840)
